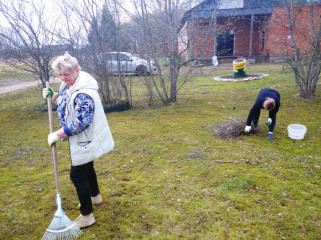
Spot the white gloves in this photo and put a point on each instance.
(46, 92)
(269, 121)
(52, 138)
(247, 129)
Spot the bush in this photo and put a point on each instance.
(116, 107)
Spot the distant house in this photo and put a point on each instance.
(256, 29)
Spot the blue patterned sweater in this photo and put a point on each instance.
(84, 109)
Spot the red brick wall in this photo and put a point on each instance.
(201, 31)
(241, 28)
(278, 42)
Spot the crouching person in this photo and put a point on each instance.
(268, 99)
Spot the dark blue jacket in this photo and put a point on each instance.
(258, 105)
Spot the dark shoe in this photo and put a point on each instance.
(270, 136)
(255, 126)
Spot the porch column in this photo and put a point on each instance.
(251, 35)
(215, 35)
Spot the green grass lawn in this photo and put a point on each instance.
(169, 176)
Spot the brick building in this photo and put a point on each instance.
(255, 29)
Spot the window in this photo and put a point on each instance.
(124, 57)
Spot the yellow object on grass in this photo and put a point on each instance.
(239, 67)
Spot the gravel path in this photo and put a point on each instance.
(24, 85)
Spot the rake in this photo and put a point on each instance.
(61, 227)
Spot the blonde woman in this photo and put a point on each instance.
(83, 122)
(268, 99)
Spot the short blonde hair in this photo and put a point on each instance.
(65, 62)
(269, 104)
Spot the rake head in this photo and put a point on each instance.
(61, 227)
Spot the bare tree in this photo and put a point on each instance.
(94, 29)
(27, 37)
(303, 23)
(156, 24)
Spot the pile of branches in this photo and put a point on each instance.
(232, 129)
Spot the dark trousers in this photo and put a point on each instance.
(256, 117)
(85, 180)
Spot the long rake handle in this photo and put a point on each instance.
(54, 151)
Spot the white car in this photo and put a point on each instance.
(125, 62)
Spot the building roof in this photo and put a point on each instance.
(227, 8)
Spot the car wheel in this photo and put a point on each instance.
(141, 70)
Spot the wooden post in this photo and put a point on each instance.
(53, 147)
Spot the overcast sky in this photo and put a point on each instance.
(52, 9)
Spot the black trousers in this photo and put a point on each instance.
(85, 180)
(256, 117)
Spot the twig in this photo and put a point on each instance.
(218, 161)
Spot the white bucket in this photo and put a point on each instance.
(296, 131)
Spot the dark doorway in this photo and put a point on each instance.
(225, 45)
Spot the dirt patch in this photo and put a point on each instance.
(232, 129)
(249, 77)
